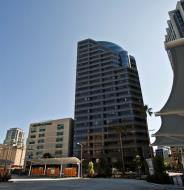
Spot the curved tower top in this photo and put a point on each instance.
(116, 49)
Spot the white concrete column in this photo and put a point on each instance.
(78, 169)
(45, 169)
(182, 157)
(30, 170)
(61, 170)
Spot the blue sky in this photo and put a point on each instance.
(38, 44)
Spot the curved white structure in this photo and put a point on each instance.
(171, 132)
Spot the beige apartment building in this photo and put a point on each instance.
(12, 156)
(52, 137)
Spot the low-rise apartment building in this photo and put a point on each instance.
(12, 156)
(52, 138)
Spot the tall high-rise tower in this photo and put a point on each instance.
(108, 94)
(14, 136)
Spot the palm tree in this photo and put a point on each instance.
(146, 110)
(121, 129)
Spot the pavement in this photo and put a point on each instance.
(83, 184)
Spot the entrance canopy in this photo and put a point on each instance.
(54, 167)
(55, 161)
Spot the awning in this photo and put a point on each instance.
(171, 132)
(55, 161)
(168, 141)
(176, 99)
(171, 125)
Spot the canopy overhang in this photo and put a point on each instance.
(171, 132)
(55, 161)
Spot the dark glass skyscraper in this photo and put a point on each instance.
(108, 94)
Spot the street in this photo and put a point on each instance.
(85, 184)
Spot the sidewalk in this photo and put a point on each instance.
(42, 179)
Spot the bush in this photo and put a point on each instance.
(91, 169)
(103, 168)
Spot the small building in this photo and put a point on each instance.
(12, 157)
(54, 167)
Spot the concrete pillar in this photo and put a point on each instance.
(61, 170)
(78, 164)
(45, 169)
(30, 170)
(182, 157)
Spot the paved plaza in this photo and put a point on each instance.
(85, 184)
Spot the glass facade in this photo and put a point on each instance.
(175, 28)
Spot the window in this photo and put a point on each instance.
(59, 145)
(32, 142)
(59, 139)
(30, 155)
(42, 130)
(39, 153)
(59, 133)
(13, 135)
(33, 130)
(42, 135)
(60, 126)
(41, 141)
(40, 147)
(33, 136)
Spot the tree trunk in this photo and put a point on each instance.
(122, 155)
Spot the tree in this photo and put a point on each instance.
(160, 175)
(103, 166)
(159, 167)
(121, 129)
(138, 163)
(91, 169)
(146, 110)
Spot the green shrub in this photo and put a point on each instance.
(103, 168)
(91, 169)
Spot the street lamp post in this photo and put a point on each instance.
(81, 146)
